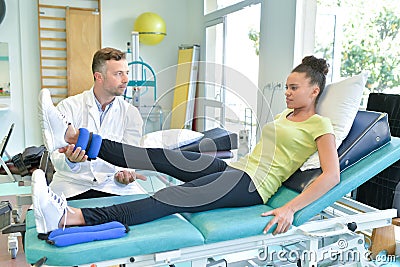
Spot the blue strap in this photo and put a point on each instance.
(86, 229)
(94, 148)
(83, 138)
(90, 142)
(83, 234)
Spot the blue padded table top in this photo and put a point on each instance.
(174, 232)
(12, 188)
(233, 223)
(353, 177)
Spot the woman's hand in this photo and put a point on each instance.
(283, 217)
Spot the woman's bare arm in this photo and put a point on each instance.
(329, 177)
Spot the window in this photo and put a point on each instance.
(214, 5)
(361, 35)
(232, 66)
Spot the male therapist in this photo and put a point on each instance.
(102, 110)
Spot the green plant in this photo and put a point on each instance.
(370, 41)
(255, 37)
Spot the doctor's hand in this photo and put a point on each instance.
(127, 177)
(74, 156)
(283, 217)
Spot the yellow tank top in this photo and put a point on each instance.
(283, 147)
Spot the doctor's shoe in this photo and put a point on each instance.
(54, 124)
(47, 206)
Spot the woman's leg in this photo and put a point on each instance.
(231, 188)
(183, 165)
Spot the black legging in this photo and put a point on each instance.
(209, 183)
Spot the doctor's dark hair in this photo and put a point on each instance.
(103, 55)
(316, 69)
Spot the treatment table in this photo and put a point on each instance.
(331, 223)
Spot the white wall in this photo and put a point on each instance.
(19, 30)
(286, 38)
(184, 26)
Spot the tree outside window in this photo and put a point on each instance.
(366, 38)
(369, 40)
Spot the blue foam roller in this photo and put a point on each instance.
(94, 147)
(83, 138)
(84, 237)
(86, 229)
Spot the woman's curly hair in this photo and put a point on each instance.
(316, 69)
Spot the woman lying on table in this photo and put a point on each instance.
(208, 183)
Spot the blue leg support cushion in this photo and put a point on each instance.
(83, 138)
(94, 146)
(83, 234)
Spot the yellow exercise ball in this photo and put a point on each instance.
(151, 28)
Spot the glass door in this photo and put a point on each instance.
(231, 73)
(213, 109)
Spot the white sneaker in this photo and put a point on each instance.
(47, 206)
(53, 123)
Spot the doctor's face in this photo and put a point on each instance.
(116, 77)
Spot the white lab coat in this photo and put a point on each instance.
(122, 123)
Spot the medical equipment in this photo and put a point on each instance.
(324, 232)
(6, 211)
(243, 143)
(151, 28)
(141, 82)
(182, 113)
(5, 220)
(144, 83)
(3, 152)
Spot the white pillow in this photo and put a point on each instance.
(339, 102)
(170, 139)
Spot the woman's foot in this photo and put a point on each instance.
(54, 124)
(48, 207)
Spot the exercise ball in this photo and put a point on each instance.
(151, 28)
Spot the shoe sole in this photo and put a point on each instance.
(40, 222)
(45, 119)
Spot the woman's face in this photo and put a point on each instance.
(299, 92)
